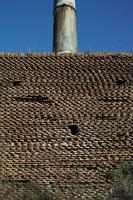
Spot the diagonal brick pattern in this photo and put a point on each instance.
(65, 119)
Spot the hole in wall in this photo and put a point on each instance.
(38, 99)
(16, 83)
(109, 99)
(74, 129)
(90, 168)
(120, 82)
(49, 140)
(105, 117)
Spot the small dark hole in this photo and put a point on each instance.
(49, 140)
(38, 99)
(91, 168)
(16, 82)
(74, 129)
(103, 117)
(120, 82)
(121, 99)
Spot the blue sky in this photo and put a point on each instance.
(102, 25)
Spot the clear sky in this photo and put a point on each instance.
(102, 25)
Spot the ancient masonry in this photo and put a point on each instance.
(67, 119)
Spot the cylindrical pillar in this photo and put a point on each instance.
(65, 33)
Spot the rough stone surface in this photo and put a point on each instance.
(65, 119)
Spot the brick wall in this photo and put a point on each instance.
(66, 120)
